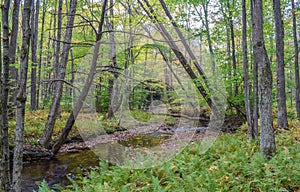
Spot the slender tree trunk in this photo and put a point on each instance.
(251, 133)
(21, 98)
(54, 110)
(14, 34)
(47, 75)
(58, 38)
(86, 87)
(2, 173)
(54, 43)
(281, 94)
(233, 57)
(41, 54)
(205, 22)
(113, 59)
(12, 57)
(4, 96)
(175, 49)
(255, 81)
(34, 41)
(267, 139)
(182, 39)
(72, 73)
(297, 96)
(229, 60)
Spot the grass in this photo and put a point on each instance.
(231, 164)
(35, 123)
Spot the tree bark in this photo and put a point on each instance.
(58, 39)
(47, 134)
(86, 87)
(182, 39)
(4, 96)
(281, 94)
(12, 57)
(2, 173)
(296, 61)
(233, 56)
(205, 22)
(34, 41)
(21, 98)
(41, 54)
(267, 139)
(113, 59)
(175, 49)
(252, 134)
(255, 82)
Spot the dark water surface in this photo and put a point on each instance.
(64, 165)
(56, 170)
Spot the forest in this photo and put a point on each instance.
(149, 95)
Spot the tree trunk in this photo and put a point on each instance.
(267, 139)
(113, 59)
(251, 133)
(47, 134)
(2, 173)
(297, 96)
(34, 41)
(40, 55)
(4, 96)
(182, 39)
(86, 87)
(233, 57)
(21, 98)
(175, 49)
(205, 23)
(12, 57)
(255, 83)
(228, 45)
(57, 40)
(282, 113)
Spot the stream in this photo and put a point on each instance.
(56, 170)
(71, 164)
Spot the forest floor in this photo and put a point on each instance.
(35, 121)
(33, 151)
(232, 163)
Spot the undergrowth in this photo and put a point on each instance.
(35, 124)
(231, 164)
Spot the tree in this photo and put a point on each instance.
(113, 58)
(252, 134)
(21, 98)
(34, 42)
(282, 114)
(79, 103)
(54, 110)
(13, 70)
(4, 96)
(267, 138)
(204, 4)
(228, 14)
(255, 82)
(183, 61)
(40, 53)
(296, 61)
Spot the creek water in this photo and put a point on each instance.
(73, 164)
(57, 170)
